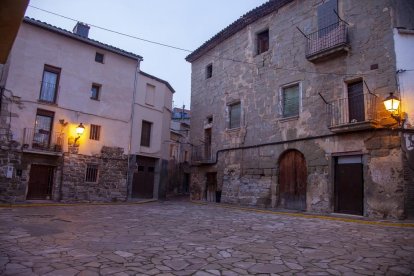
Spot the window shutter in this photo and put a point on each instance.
(326, 14)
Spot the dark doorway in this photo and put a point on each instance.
(186, 184)
(40, 182)
(292, 180)
(349, 185)
(143, 180)
(207, 144)
(211, 186)
(356, 102)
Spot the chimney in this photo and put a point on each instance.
(81, 29)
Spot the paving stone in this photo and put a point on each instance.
(180, 238)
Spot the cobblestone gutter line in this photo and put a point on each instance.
(74, 204)
(310, 216)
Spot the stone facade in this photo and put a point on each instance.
(246, 159)
(111, 183)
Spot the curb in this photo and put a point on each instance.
(25, 205)
(310, 216)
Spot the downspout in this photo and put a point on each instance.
(131, 120)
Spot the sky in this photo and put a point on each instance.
(185, 24)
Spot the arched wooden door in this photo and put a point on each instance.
(292, 180)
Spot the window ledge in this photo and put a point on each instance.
(46, 102)
(236, 129)
(287, 119)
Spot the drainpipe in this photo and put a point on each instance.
(131, 120)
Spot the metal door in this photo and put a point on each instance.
(143, 180)
(40, 182)
(349, 185)
(292, 180)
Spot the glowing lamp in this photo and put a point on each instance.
(391, 103)
(80, 129)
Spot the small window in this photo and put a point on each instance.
(150, 94)
(209, 71)
(262, 42)
(146, 134)
(91, 173)
(185, 156)
(141, 168)
(234, 115)
(290, 101)
(209, 119)
(50, 84)
(151, 169)
(95, 91)
(95, 132)
(99, 57)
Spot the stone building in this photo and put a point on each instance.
(180, 153)
(287, 109)
(80, 120)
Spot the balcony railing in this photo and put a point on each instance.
(201, 153)
(42, 140)
(326, 41)
(359, 111)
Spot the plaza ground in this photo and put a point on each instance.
(183, 238)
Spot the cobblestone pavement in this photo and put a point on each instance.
(182, 238)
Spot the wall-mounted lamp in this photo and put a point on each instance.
(79, 131)
(392, 104)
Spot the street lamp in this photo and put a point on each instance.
(79, 131)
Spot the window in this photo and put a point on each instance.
(91, 173)
(209, 71)
(234, 115)
(50, 84)
(290, 100)
(150, 94)
(210, 119)
(146, 133)
(43, 129)
(185, 156)
(262, 42)
(95, 132)
(95, 91)
(99, 57)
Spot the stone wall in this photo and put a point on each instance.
(112, 176)
(250, 176)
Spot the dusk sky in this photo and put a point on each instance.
(185, 24)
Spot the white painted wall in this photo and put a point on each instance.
(158, 114)
(404, 51)
(34, 47)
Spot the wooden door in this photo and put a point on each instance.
(143, 180)
(292, 181)
(356, 102)
(40, 182)
(211, 186)
(349, 186)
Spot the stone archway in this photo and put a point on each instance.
(292, 180)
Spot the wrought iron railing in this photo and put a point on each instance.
(353, 110)
(39, 139)
(201, 153)
(327, 38)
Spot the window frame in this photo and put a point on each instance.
(99, 87)
(98, 60)
(262, 41)
(91, 173)
(95, 132)
(146, 137)
(281, 99)
(150, 89)
(230, 107)
(54, 70)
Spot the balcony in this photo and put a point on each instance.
(327, 42)
(42, 141)
(351, 114)
(202, 154)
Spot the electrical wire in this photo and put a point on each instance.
(190, 51)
